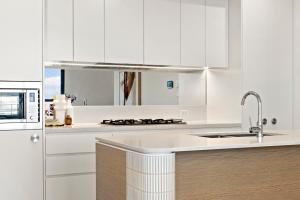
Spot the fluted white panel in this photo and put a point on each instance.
(150, 177)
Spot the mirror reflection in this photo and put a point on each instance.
(108, 88)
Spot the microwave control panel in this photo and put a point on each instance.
(33, 106)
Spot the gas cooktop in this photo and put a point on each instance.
(133, 122)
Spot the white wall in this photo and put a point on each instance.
(224, 85)
(192, 89)
(95, 114)
(267, 60)
(97, 87)
(296, 74)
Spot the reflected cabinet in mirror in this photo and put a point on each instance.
(108, 88)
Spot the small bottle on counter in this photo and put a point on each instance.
(68, 120)
(69, 113)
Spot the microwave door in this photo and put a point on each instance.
(13, 106)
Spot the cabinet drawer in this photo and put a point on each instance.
(64, 144)
(81, 187)
(70, 164)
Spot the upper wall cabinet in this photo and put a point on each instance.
(204, 33)
(59, 30)
(89, 30)
(216, 33)
(21, 38)
(124, 31)
(74, 30)
(193, 33)
(162, 32)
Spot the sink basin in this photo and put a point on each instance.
(231, 135)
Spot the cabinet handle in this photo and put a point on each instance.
(35, 138)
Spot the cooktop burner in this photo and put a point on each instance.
(132, 122)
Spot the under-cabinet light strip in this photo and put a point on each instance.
(122, 66)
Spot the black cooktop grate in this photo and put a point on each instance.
(132, 122)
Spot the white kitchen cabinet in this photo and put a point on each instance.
(204, 33)
(73, 187)
(193, 33)
(216, 27)
(59, 30)
(296, 73)
(71, 143)
(267, 59)
(124, 31)
(89, 30)
(21, 168)
(162, 32)
(21, 40)
(70, 164)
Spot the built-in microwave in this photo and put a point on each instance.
(20, 105)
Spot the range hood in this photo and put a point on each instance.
(70, 65)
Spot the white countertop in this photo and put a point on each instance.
(94, 127)
(177, 142)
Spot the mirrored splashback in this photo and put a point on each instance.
(108, 88)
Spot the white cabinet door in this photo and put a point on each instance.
(162, 32)
(124, 31)
(21, 40)
(75, 187)
(296, 64)
(21, 168)
(59, 30)
(267, 59)
(89, 30)
(216, 33)
(193, 33)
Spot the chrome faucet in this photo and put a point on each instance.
(258, 129)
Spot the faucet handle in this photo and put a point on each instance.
(265, 121)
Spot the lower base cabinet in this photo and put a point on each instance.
(70, 166)
(71, 187)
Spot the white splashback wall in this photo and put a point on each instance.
(224, 85)
(268, 60)
(95, 114)
(192, 89)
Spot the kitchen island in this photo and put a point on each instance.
(192, 167)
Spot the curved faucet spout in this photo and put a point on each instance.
(259, 126)
(251, 93)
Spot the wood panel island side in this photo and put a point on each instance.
(189, 167)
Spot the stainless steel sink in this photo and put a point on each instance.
(231, 135)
